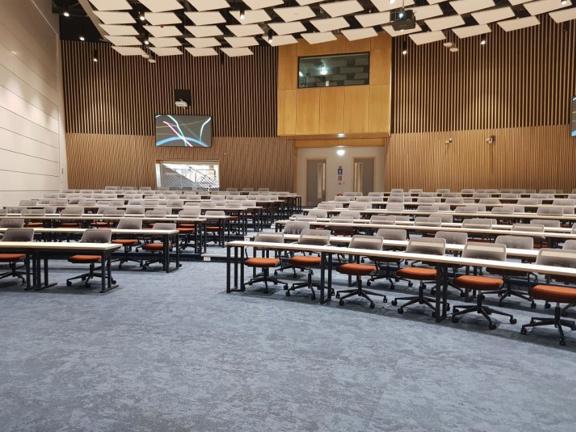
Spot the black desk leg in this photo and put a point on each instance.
(103, 271)
(166, 252)
(322, 276)
(177, 252)
(235, 267)
(27, 265)
(241, 263)
(330, 277)
(228, 269)
(441, 292)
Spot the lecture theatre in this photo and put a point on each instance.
(287, 216)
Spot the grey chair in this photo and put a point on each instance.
(384, 266)
(423, 274)
(453, 237)
(14, 259)
(291, 228)
(128, 243)
(264, 262)
(561, 292)
(155, 248)
(383, 219)
(318, 213)
(90, 236)
(11, 223)
(316, 237)
(135, 210)
(481, 284)
(356, 269)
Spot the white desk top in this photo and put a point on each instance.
(59, 246)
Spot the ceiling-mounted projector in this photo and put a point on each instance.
(402, 19)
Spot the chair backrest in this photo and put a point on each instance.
(454, 200)
(319, 213)
(359, 205)
(466, 209)
(164, 226)
(569, 245)
(557, 257)
(111, 211)
(392, 234)
(134, 210)
(72, 211)
(215, 213)
(528, 227)
(96, 236)
(516, 242)
(529, 201)
(396, 199)
(431, 246)
(18, 235)
(175, 203)
(327, 205)
(342, 198)
(342, 219)
(190, 212)
(392, 206)
(548, 223)
(479, 223)
(158, 211)
(487, 251)
(316, 237)
(34, 212)
(489, 201)
(269, 237)
(295, 227)
(387, 219)
(366, 242)
(505, 209)
(550, 210)
(428, 221)
(444, 217)
(453, 237)
(11, 223)
(348, 214)
(130, 223)
(428, 208)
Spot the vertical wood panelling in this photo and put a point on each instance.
(98, 160)
(532, 157)
(120, 95)
(519, 79)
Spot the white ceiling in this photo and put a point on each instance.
(207, 27)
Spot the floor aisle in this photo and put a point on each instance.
(175, 353)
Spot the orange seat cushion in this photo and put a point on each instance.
(262, 262)
(10, 257)
(478, 282)
(70, 225)
(184, 225)
(101, 224)
(34, 224)
(125, 242)
(153, 246)
(182, 230)
(554, 293)
(213, 228)
(305, 261)
(418, 273)
(357, 269)
(83, 259)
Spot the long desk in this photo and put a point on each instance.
(40, 252)
(488, 232)
(235, 266)
(166, 236)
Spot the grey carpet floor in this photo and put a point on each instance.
(175, 353)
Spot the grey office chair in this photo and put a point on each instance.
(265, 262)
(128, 243)
(13, 259)
(156, 248)
(90, 236)
(384, 268)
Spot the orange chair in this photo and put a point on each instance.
(265, 262)
(423, 274)
(71, 212)
(481, 284)
(357, 269)
(90, 236)
(13, 259)
(384, 270)
(559, 294)
(314, 237)
(156, 248)
(128, 244)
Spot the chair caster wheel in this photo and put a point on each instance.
(547, 306)
(372, 305)
(337, 295)
(533, 305)
(562, 342)
(400, 310)
(513, 320)
(394, 302)
(287, 293)
(341, 302)
(410, 284)
(68, 283)
(492, 326)
(455, 320)
(523, 331)
(384, 300)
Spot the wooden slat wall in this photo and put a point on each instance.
(120, 95)
(532, 157)
(522, 78)
(98, 160)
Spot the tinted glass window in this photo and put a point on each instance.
(334, 70)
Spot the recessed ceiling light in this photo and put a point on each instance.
(66, 13)
(82, 38)
(341, 135)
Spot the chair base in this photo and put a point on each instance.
(308, 284)
(359, 292)
(557, 322)
(87, 277)
(265, 278)
(509, 292)
(420, 299)
(13, 272)
(479, 308)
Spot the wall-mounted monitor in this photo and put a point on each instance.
(183, 131)
(573, 116)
